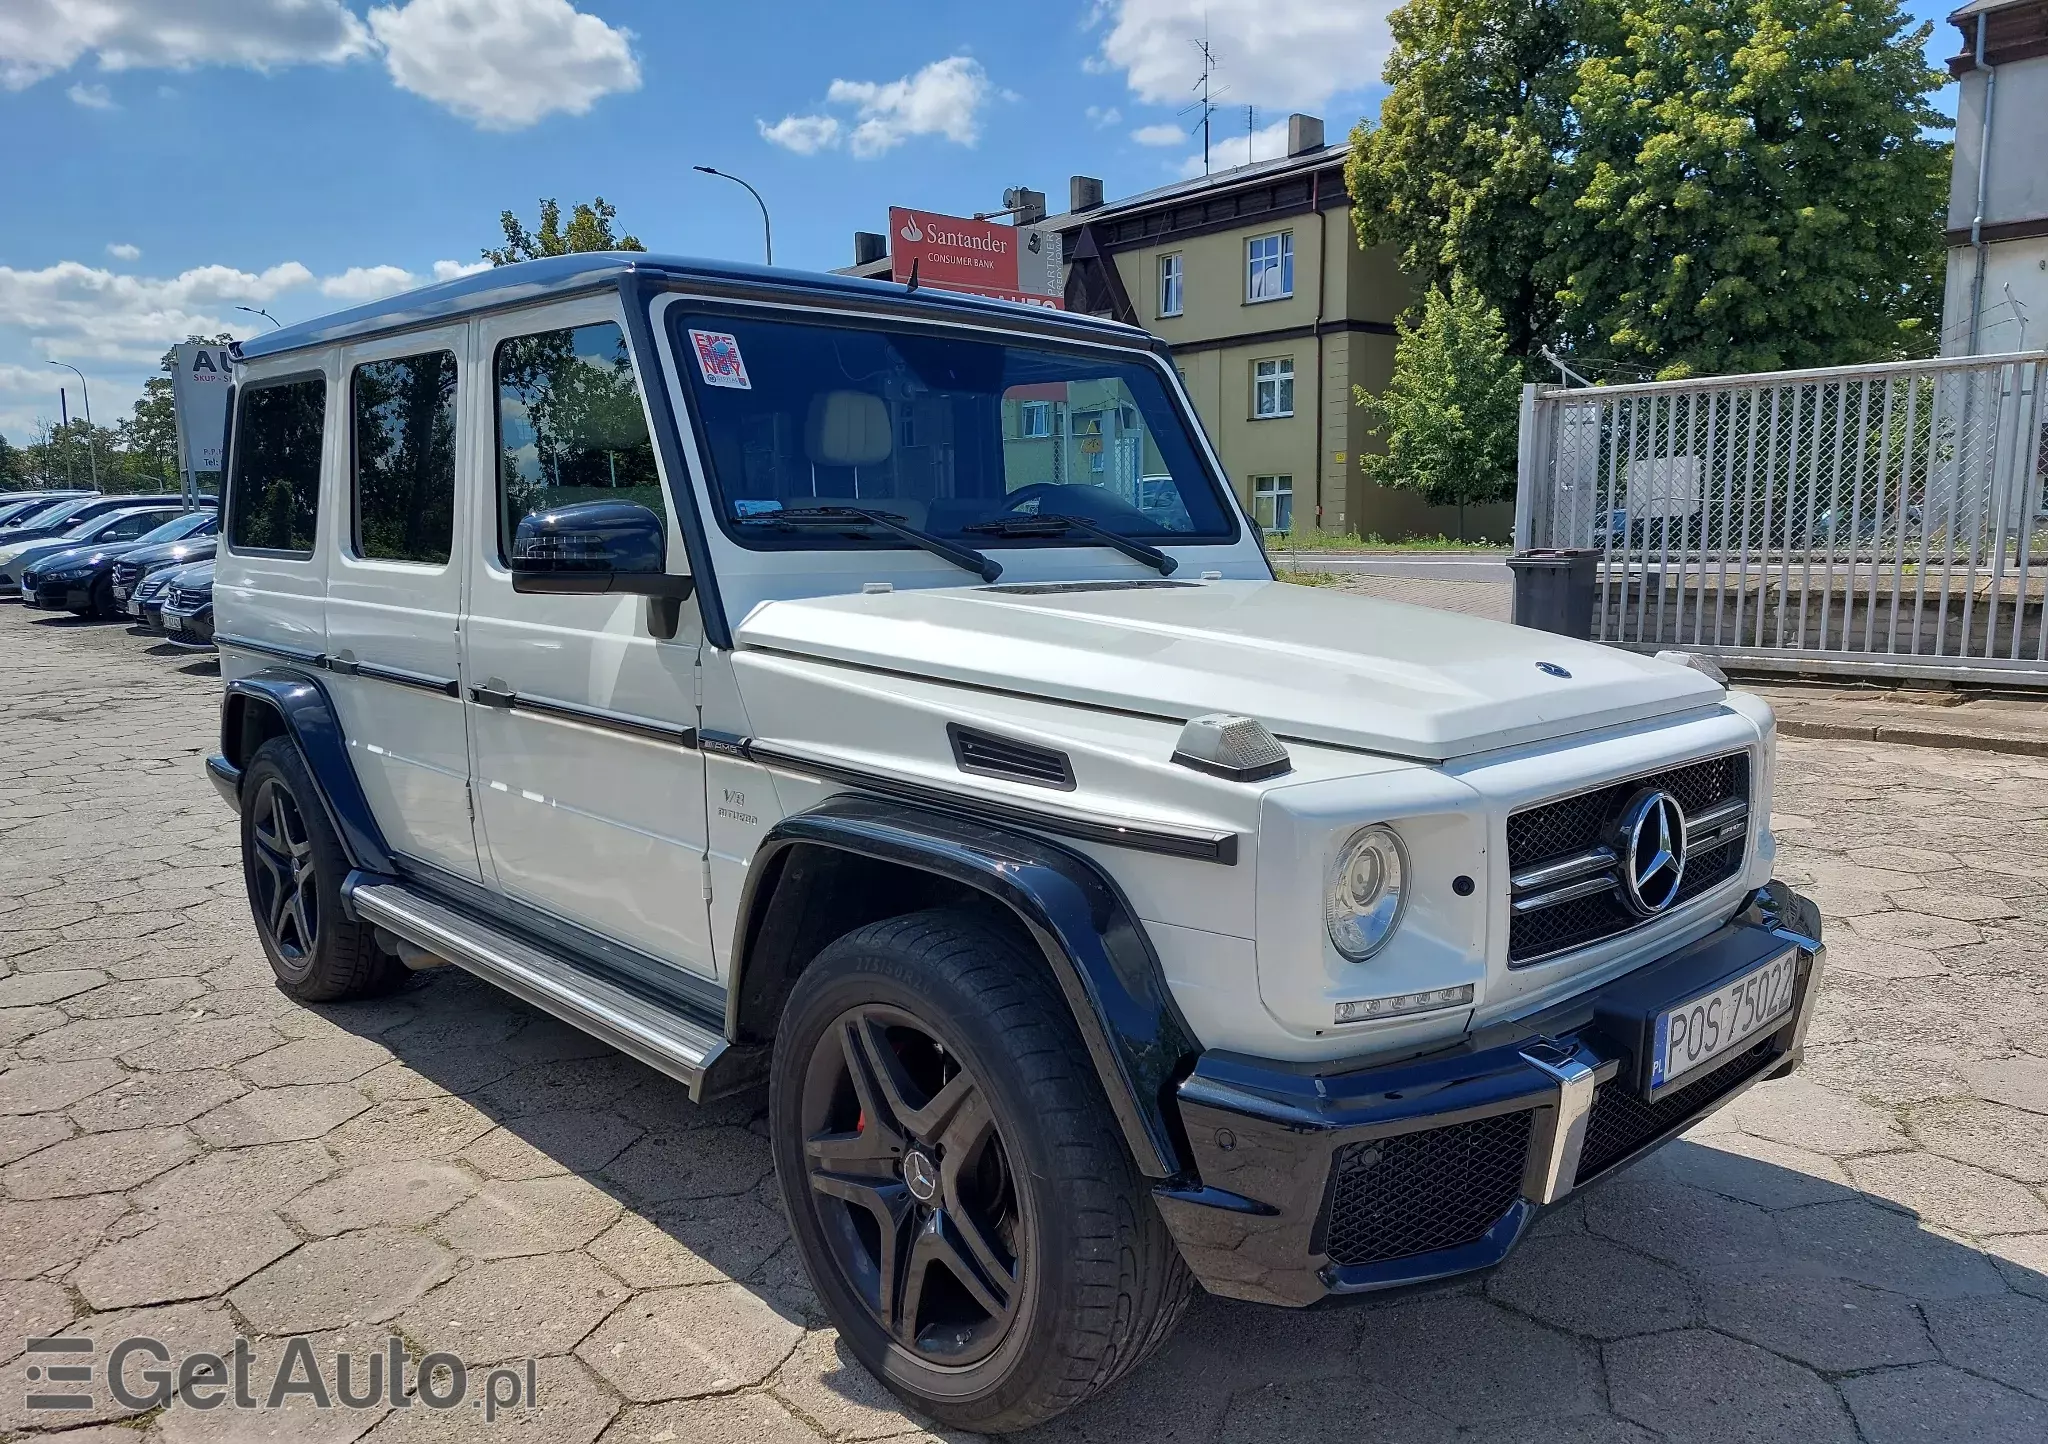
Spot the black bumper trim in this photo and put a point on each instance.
(1264, 1136)
(227, 780)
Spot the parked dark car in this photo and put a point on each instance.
(118, 525)
(65, 515)
(147, 602)
(81, 580)
(138, 567)
(16, 507)
(188, 609)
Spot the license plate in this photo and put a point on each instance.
(1696, 1032)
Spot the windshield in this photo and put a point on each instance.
(60, 512)
(948, 433)
(192, 523)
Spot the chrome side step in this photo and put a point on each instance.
(662, 1038)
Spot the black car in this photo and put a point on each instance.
(81, 580)
(130, 571)
(16, 507)
(188, 610)
(65, 515)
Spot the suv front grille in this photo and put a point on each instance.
(1573, 832)
(1420, 1192)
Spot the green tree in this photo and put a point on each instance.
(1454, 173)
(1451, 412)
(1750, 187)
(589, 229)
(1693, 185)
(13, 475)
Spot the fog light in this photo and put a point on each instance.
(1367, 1009)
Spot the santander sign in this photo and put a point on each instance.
(953, 253)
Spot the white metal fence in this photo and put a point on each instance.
(1885, 520)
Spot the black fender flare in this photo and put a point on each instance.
(1092, 941)
(301, 703)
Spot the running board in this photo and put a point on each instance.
(661, 1037)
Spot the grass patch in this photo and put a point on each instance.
(1309, 579)
(1324, 541)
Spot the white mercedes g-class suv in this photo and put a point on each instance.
(880, 694)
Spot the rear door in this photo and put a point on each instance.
(394, 591)
(589, 789)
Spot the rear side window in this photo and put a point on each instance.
(134, 524)
(404, 415)
(275, 492)
(570, 427)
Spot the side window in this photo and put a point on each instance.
(570, 427)
(275, 491)
(134, 524)
(404, 420)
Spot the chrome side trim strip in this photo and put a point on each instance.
(659, 1037)
(269, 649)
(626, 723)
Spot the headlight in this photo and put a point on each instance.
(1366, 891)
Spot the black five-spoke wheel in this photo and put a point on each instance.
(913, 1187)
(286, 897)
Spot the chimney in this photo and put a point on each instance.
(1084, 193)
(869, 247)
(1027, 207)
(1304, 134)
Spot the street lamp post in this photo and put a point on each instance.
(91, 452)
(259, 311)
(767, 235)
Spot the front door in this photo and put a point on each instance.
(590, 804)
(394, 592)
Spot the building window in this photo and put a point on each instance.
(1273, 388)
(1170, 285)
(1273, 503)
(1269, 267)
(1034, 418)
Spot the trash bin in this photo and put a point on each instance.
(1554, 590)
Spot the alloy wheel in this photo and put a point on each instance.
(287, 896)
(911, 1183)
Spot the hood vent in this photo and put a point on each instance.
(987, 755)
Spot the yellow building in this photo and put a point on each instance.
(1254, 276)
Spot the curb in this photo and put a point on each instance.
(1915, 737)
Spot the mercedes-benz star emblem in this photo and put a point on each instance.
(1652, 848)
(920, 1177)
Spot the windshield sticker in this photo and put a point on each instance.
(748, 506)
(719, 360)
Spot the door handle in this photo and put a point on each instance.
(489, 696)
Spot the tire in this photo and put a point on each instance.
(102, 606)
(1054, 1272)
(293, 866)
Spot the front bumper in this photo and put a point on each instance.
(52, 596)
(188, 629)
(1315, 1184)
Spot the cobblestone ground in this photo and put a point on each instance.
(1858, 1252)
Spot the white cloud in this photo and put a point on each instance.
(804, 134)
(1268, 142)
(40, 38)
(504, 64)
(92, 97)
(122, 251)
(87, 310)
(501, 64)
(1297, 54)
(1159, 135)
(1102, 118)
(453, 270)
(359, 284)
(944, 98)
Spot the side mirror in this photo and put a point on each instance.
(595, 547)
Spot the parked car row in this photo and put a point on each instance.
(145, 557)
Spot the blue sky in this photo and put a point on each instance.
(306, 154)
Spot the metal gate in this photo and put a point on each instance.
(1881, 520)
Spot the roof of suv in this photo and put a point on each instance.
(529, 281)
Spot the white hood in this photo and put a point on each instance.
(1317, 665)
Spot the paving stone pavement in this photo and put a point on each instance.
(1859, 1252)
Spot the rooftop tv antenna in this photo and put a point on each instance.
(1205, 104)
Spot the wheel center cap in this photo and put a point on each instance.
(920, 1176)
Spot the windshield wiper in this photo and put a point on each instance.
(1059, 525)
(971, 560)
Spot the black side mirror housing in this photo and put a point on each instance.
(593, 547)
